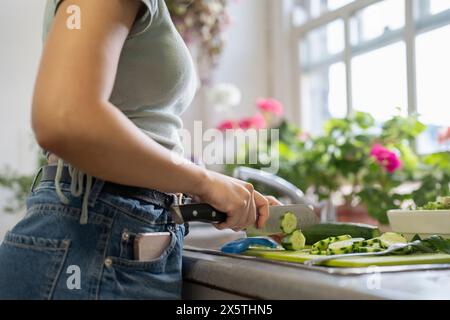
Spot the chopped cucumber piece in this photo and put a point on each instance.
(321, 231)
(332, 252)
(369, 249)
(294, 242)
(389, 238)
(349, 244)
(371, 242)
(288, 223)
(324, 244)
(318, 253)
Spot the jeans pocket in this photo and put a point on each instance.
(126, 259)
(156, 279)
(30, 266)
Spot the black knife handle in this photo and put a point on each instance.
(201, 212)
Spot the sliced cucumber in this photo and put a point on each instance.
(318, 253)
(332, 252)
(324, 243)
(349, 244)
(369, 249)
(371, 242)
(294, 242)
(318, 232)
(389, 238)
(288, 223)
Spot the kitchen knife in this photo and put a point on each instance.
(304, 213)
(200, 212)
(197, 212)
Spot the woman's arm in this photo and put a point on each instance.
(73, 118)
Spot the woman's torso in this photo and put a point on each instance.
(156, 79)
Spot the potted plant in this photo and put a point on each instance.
(365, 168)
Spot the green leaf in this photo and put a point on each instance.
(439, 160)
(409, 158)
(364, 120)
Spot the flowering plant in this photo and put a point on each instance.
(269, 115)
(386, 158)
(355, 162)
(202, 23)
(444, 136)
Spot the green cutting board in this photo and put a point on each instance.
(354, 262)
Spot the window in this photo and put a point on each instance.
(378, 56)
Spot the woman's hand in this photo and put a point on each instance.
(243, 205)
(273, 201)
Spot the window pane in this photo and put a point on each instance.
(437, 6)
(433, 94)
(379, 82)
(323, 96)
(374, 21)
(336, 4)
(322, 43)
(337, 97)
(433, 76)
(315, 8)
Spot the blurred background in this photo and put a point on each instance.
(357, 88)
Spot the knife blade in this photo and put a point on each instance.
(304, 213)
(201, 212)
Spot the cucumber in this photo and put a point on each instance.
(371, 242)
(346, 244)
(318, 253)
(318, 232)
(324, 243)
(294, 242)
(288, 223)
(369, 249)
(332, 252)
(389, 238)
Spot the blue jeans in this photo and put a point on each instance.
(50, 255)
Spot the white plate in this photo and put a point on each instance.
(421, 222)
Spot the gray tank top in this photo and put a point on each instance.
(154, 85)
(156, 78)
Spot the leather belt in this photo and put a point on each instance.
(151, 196)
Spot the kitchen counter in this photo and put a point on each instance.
(212, 276)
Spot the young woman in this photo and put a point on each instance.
(106, 108)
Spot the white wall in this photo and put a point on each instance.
(20, 47)
(20, 41)
(245, 61)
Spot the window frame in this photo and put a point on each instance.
(415, 25)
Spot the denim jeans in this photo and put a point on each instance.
(50, 255)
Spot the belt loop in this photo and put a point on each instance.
(33, 184)
(95, 192)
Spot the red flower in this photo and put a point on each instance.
(386, 158)
(255, 122)
(226, 125)
(271, 105)
(444, 136)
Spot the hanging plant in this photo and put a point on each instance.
(202, 24)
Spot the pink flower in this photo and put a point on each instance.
(304, 136)
(271, 106)
(386, 158)
(226, 125)
(444, 136)
(255, 122)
